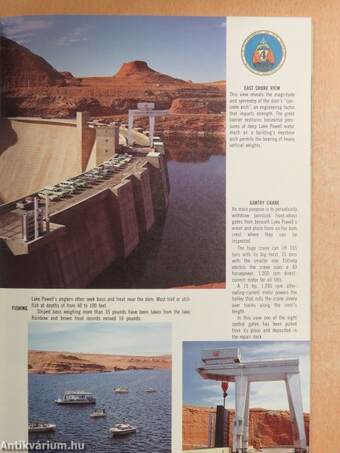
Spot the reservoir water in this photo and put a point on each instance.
(149, 412)
(188, 246)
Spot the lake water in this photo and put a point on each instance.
(149, 412)
(188, 246)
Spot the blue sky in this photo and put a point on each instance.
(101, 338)
(191, 48)
(268, 395)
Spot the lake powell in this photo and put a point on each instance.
(149, 412)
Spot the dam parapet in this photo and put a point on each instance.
(90, 220)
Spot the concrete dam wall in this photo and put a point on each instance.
(88, 236)
(37, 152)
(89, 229)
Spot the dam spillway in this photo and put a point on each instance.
(89, 230)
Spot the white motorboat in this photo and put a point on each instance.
(76, 397)
(150, 390)
(40, 427)
(121, 390)
(98, 413)
(122, 429)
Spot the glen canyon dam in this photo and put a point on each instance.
(75, 197)
(85, 171)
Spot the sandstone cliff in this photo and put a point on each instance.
(51, 362)
(22, 68)
(32, 87)
(197, 105)
(268, 428)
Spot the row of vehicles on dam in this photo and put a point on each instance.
(71, 186)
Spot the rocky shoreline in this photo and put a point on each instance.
(52, 362)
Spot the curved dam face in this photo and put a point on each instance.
(89, 230)
(36, 152)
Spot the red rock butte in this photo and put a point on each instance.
(134, 67)
(140, 71)
(32, 87)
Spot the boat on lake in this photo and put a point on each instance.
(76, 397)
(150, 390)
(122, 429)
(98, 413)
(40, 427)
(121, 390)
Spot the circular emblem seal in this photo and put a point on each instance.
(263, 52)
